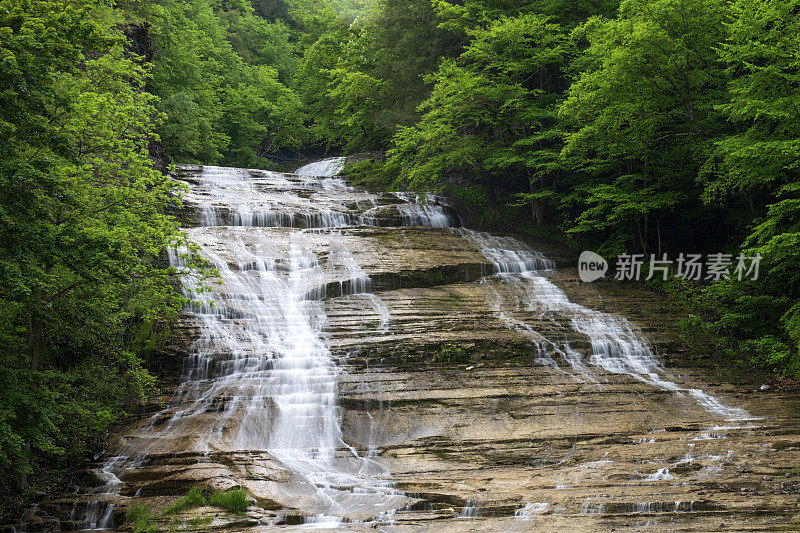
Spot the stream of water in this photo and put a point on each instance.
(261, 375)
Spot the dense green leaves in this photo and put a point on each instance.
(81, 228)
(642, 113)
(221, 75)
(364, 77)
(491, 112)
(755, 166)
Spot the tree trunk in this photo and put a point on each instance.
(34, 337)
(641, 229)
(536, 207)
(750, 203)
(490, 197)
(658, 232)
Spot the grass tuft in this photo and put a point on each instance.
(140, 518)
(200, 520)
(194, 498)
(234, 501)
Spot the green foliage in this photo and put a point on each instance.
(369, 174)
(643, 110)
(756, 165)
(193, 498)
(235, 501)
(82, 227)
(491, 115)
(760, 156)
(140, 518)
(451, 354)
(221, 75)
(364, 76)
(462, 17)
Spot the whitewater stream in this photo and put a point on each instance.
(299, 382)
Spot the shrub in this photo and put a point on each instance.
(451, 354)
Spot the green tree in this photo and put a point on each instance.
(81, 228)
(210, 63)
(755, 171)
(643, 115)
(261, 114)
(463, 17)
(365, 76)
(490, 119)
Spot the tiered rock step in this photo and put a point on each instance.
(295, 201)
(506, 436)
(391, 257)
(423, 321)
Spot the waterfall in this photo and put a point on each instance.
(260, 375)
(418, 211)
(261, 346)
(616, 347)
(325, 168)
(261, 379)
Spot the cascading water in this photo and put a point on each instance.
(260, 363)
(428, 212)
(278, 375)
(616, 348)
(261, 377)
(324, 168)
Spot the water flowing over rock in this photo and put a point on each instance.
(365, 362)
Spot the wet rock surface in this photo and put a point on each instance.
(464, 400)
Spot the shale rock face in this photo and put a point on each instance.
(366, 363)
